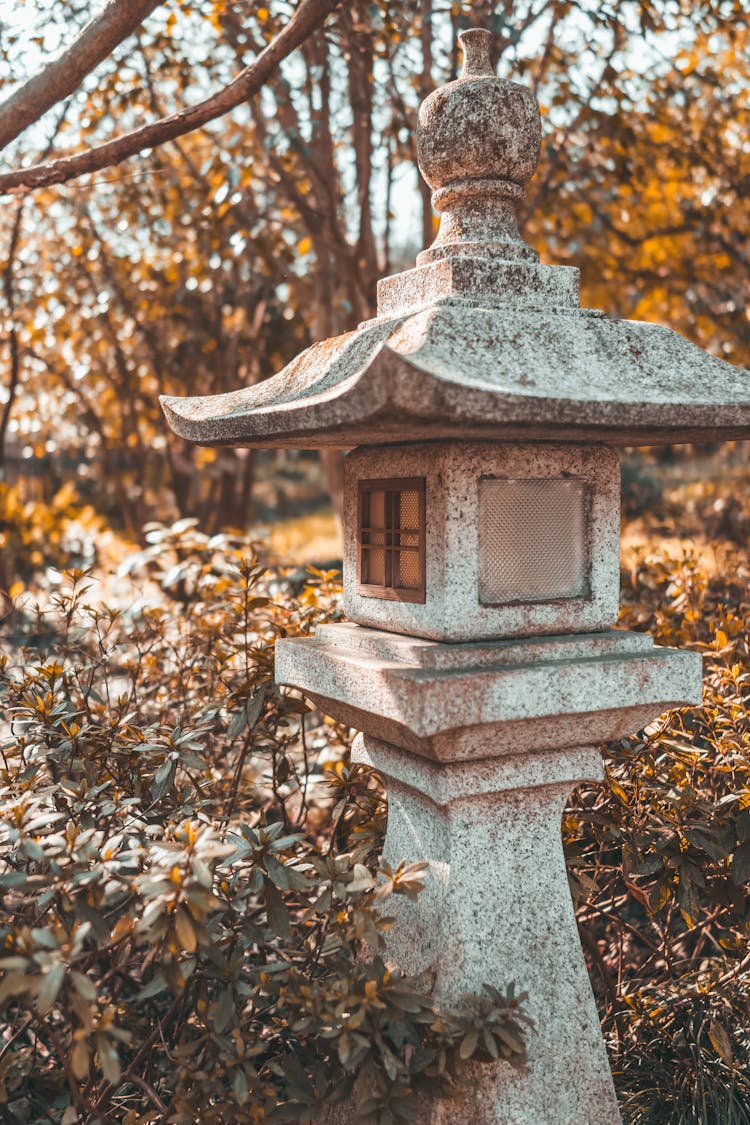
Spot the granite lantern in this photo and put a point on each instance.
(483, 410)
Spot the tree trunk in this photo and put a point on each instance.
(426, 87)
(15, 359)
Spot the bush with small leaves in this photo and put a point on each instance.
(192, 902)
(192, 907)
(659, 859)
(35, 534)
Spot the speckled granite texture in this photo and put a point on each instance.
(452, 471)
(479, 746)
(451, 702)
(497, 908)
(461, 370)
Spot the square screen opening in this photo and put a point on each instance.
(391, 539)
(533, 540)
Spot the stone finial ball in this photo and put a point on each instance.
(479, 127)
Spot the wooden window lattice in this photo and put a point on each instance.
(391, 539)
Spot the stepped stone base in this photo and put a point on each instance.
(479, 747)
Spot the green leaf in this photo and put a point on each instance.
(278, 917)
(687, 896)
(32, 849)
(469, 1043)
(13, 879)
(224, 1010)
(83, 985)
(248, 715)
(153, 988)
(740, 868)
(240, 1086)
(255, 706)
(109, 1060)
(185, 930)
(80, 1060)
(489, 1043)
(277, 873)
(705, 843)
(721, 1041)
(649, 866)
(51, 983)
(237, 723)
(512, 1041)
(163, 779)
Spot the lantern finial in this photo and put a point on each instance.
(476, 44)
(478, 145)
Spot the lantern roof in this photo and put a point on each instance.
(480, 340)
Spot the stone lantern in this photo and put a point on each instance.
(483, 410)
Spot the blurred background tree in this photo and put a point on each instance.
(209, 261)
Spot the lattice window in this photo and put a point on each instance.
(391, 539)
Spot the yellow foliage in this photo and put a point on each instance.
(205, 456)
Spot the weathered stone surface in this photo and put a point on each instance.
(477, 145)
(479, 746)
(480, 281)
(506, 373)
(452, 609)
(452, 702)
(483, 744)
(496, 907)
(479, 127)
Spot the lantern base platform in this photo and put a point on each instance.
(439, 700)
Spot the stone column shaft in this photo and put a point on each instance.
(496, 907)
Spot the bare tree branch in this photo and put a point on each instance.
(309, 16)
(117, 20)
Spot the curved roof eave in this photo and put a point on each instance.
(504, 373)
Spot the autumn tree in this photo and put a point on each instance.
(209, 260)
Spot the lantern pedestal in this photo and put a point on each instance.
(492, 699)
(479, 746)
(496, 908)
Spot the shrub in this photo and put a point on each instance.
(192, 921)
(192, 903)
(35, 534)
(660, 861)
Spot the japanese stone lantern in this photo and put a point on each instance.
(480, 661)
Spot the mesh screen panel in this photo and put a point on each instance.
(373, 566)
(532, 540)
(409, 510)
(409, 576)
